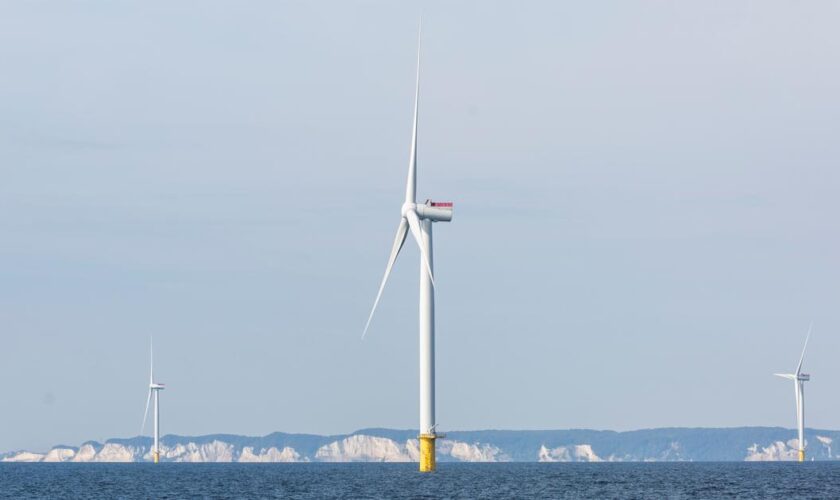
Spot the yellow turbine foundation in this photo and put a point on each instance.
(427, 452)
(156, 456)
(801, 455)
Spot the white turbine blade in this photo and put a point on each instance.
(399, 239)
(146, 413)
(151, 362)
(801, 358)
(414, 224)
(788, 376)
(411, 182)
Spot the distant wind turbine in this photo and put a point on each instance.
(154, 390)
(418, 219)
(799, 380)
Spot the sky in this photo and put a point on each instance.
(646, 214)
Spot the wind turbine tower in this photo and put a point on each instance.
(799, 380)
(154, 393)
(418, 219)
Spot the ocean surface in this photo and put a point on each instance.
(453, 480)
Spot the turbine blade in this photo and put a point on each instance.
(151, 361)
(146, 413)
(414, 224)
(399, 239)
(801, 358)
(411, 182)
(788, 376)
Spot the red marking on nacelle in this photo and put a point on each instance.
(444, 204)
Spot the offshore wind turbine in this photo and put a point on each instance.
(154, 392)
(418, 219)
(799, 380)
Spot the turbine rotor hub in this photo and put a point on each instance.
(408, 207)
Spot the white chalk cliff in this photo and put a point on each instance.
(384, 445)
(572, 453)
(355, 448)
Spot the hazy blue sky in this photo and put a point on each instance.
(646, 214)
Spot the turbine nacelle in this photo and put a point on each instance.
(802, 377)
(156, 386)
(435, 211)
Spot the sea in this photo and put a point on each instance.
(452, 480)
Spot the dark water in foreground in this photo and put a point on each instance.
(630, 480)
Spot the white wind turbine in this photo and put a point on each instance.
(799, 380)
(418, 219)
(154, 391)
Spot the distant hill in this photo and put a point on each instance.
(390, 445)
